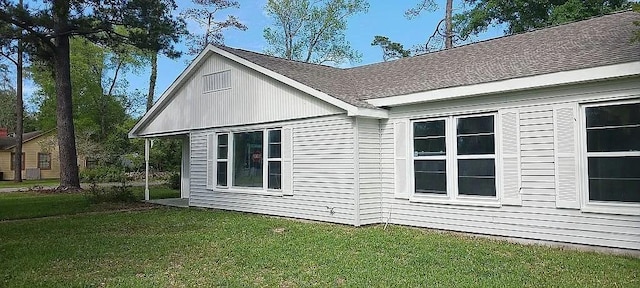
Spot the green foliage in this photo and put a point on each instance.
(174, 181)
(636, 8)
(524, 15)
(114, 194)
(390, 50)
(204, 15)
(312, 31)
(165, 155)
(103, 174)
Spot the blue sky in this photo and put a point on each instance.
(384, 18)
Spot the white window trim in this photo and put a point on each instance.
(218, 160)
(453, 197)
(269, 159)
(202, 80)
(230, 161)
(603, 207)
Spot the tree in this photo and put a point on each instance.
(442, 35)
(48, 28)
(390, 50)
(525, 15)
(312, 31)
(204, 16)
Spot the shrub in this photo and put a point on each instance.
(174, 181)
(120, 193)
(102, 174)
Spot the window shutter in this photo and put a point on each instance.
(509, 123)
(565, 141)
(287, 161)
(211, 161)
(401, 138)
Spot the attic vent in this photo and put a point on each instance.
(216, 81)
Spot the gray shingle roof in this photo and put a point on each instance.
(7, 143)
(590, 43)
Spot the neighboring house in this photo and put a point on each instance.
(39, 155)
(532, 136)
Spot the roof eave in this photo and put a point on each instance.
(511, 85)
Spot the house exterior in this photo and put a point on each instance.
(530, 136)
(39, 155)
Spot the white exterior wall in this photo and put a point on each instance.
(369, 184)
(323, 174)
(253, 98)
(538, 217)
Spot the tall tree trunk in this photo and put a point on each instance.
(17, 176)
(69, 177)
(152, 79)
(448, 42)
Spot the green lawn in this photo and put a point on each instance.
(29, 183)
(24, 205)
(197, 247)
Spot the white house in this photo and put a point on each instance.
(534, 136)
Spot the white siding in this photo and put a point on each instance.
(538, 218)
(253, 98)
(323, 173)
(369, 171)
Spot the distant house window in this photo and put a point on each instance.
(216, 81)
(223, 155)
(613, 152)
(455, 157)
(13, 156)
(90, 162)
(44, 161)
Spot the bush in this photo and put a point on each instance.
(174, 181)
(102, 174)
(120, 193)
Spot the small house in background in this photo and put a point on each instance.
(532, 136)
(39, 155)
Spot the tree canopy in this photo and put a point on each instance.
(390, 50)
(204, 14)
(312, 31)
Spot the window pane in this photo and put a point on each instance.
(430, 176)
(431, 146)
(428, 128)
(614, 167)
(274, 136)
(622, 190)
(222, 173)
(477, 186)
(474, 145)
(274, 151)
(247, 159)
(223, 146)
(613, 115)
(275, 175)
(475, 125)
(613, 139)
(477, 167)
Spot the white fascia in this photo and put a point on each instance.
(511, 85)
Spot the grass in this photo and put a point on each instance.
(168, 247)
(29, 183)
(23, 205)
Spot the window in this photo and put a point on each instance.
(613, 152)
(13, 157)
(274, 160)
(90, 162)
(216, 81)
(247, 159)
(223, 154)
(44, 161)
(455, 157)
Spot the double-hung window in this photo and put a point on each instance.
(454, 158)
(274, 160)
(222, 159)
(613, 152)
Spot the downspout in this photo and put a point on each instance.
(146, 169)
(356, 171)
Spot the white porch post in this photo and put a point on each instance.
(146, 172)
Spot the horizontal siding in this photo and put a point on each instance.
(323, 177)
(369, 171)
(537, 218)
